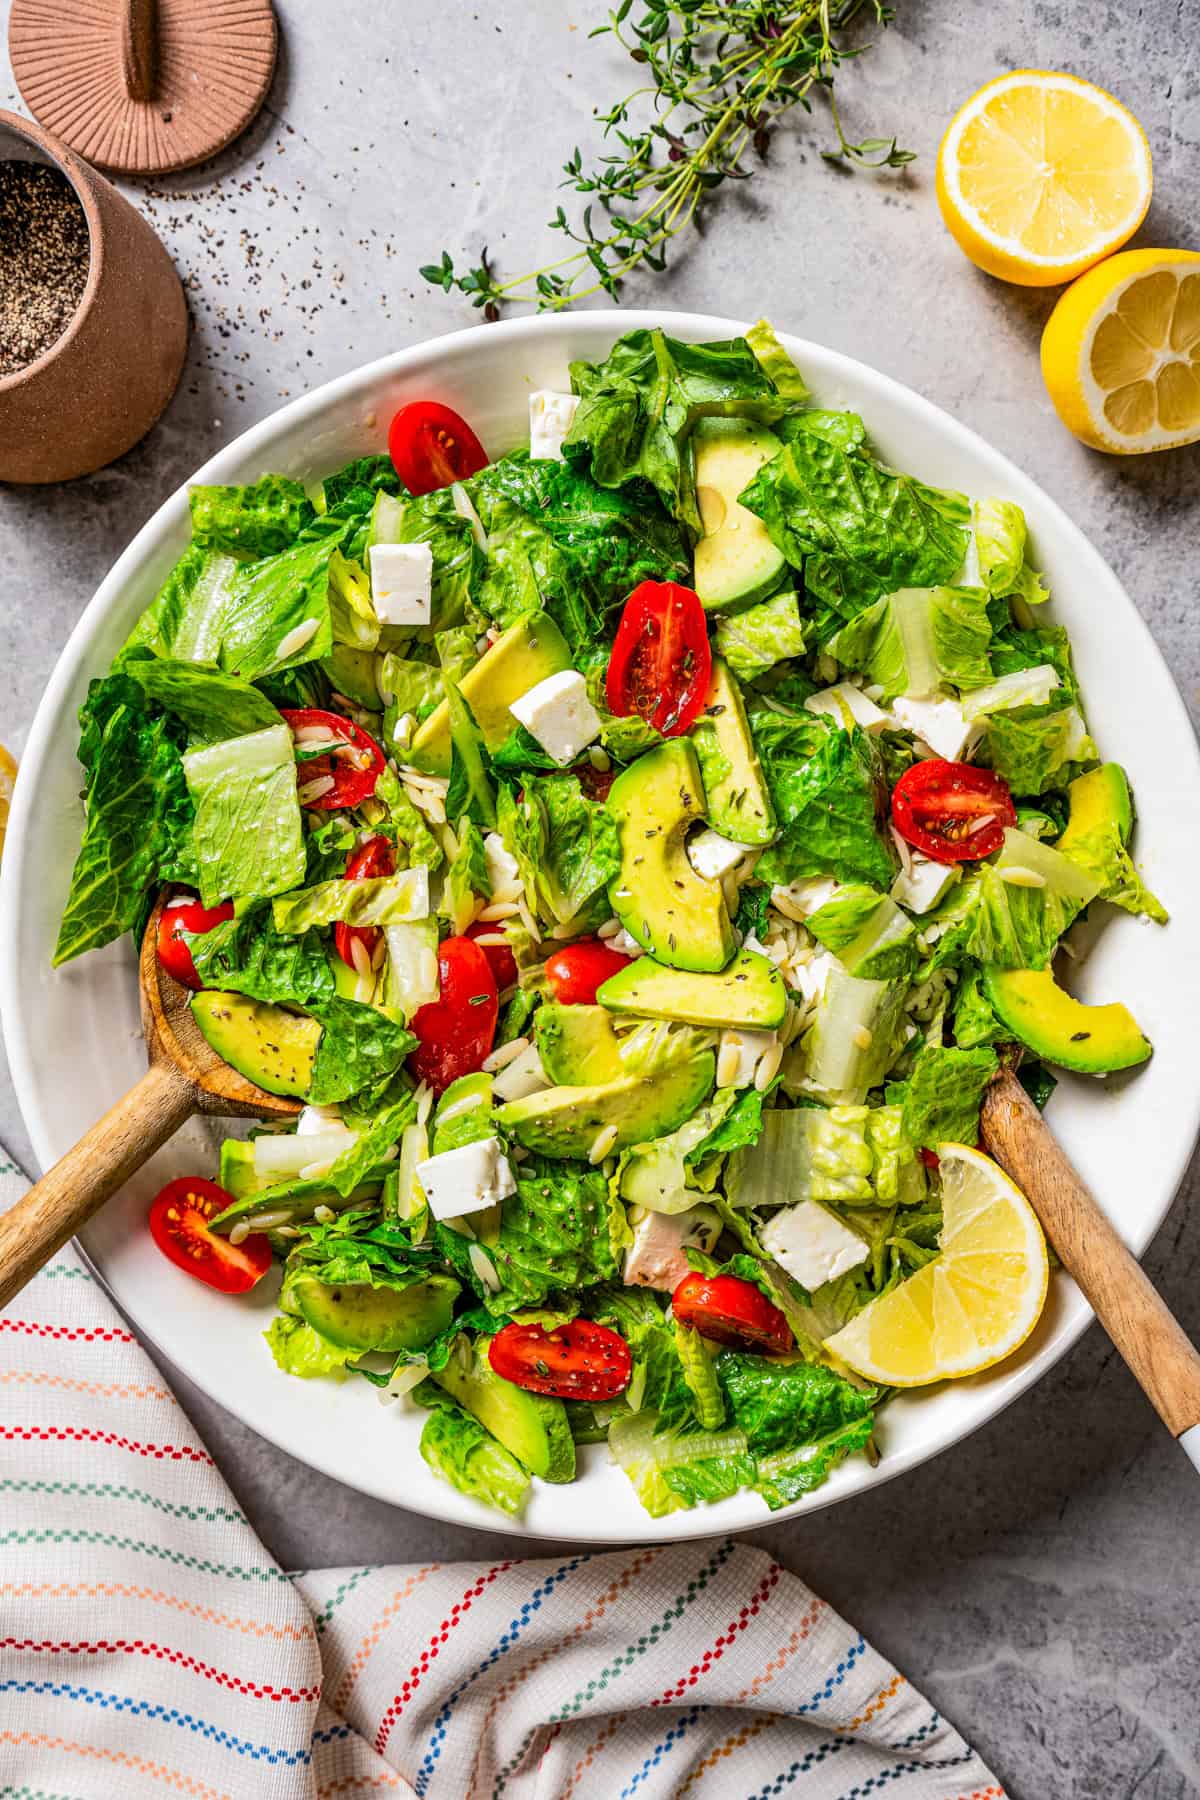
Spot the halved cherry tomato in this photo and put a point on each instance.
(179, 1218)
(431, 446)
(952, 812)
(174, 954)
(500, 958)
(661, 662)
(369, 862)
(577, 970)
(577, 1361)
(457, 1029)
(731, 1312)
(355, 762)
(930, 1158)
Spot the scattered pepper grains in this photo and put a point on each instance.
(44, 255)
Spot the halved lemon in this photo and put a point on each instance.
(1039, 175)
(975, 1303)
(8, 775)
(1121, 352)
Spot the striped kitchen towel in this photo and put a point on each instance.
(149, 1644)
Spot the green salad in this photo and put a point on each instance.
(629, 856)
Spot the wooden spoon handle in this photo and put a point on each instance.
(139, 48)
(80, 1182)
(1159, 1353)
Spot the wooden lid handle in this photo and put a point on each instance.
(139, 48)
(1136, 1317)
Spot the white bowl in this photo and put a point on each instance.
(74, 1040)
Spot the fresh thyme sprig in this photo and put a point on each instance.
(722, 73)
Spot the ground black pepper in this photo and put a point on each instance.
(44, 255)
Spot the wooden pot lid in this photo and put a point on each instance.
(143, 86)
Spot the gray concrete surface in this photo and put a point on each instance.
(1040, 1582)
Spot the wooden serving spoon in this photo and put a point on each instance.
(1160, 1355)
(185, 1076)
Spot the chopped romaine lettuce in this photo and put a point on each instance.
(755, 640)
(246, 835)
(920, 642)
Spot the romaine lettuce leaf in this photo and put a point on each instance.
(943, 1094)
(467, 879)
(974, 1021)
(670, 1468)
(358, 1047)
(827, 788)
(566, 846)
(844, 430)
(212, 704)
(246, 835)
(755, 640)
(867, 932)
(857, 530)
(775, 363)
(352, 616)
(258, 520)
(800, 1420)
(1015, 924)
(1102, 854)
(185, 618)
(920, 642)
(353, 488)
(271, 605)
(139, 815)
(380, 900)
(697, 1357)
(1000, 539)
(804, 1153)
(458, 1448)
(638, 406)
(658, 1381)
(407, 687)
(246, 955)
(560, 1230)
(405, 825)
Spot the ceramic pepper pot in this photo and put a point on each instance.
(100, 388)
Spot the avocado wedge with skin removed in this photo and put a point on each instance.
(736, 562)
(532, 1427)
(1094, 1040)
(749, 992)
(268, 1045)
(566, 1121)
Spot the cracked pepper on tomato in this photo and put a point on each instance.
(627, 855)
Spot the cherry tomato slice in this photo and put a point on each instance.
(952, 812)
(577, 970)
(174, 954)
(731, 1312)
(578, 1361)
(930, 1158)
(661, 662)
(354, 763)
(456, 1030)
(594, 782)
(431, 446)
(369, 862)
(501, 960)
(179, 1218)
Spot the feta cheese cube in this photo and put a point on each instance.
(559, 714)
(550, 417)
(941, 726)
(402, 583)
(739, 1053)
(847, 705)
(812, 1244)
(466, 1180)
(657, 1257)
(712, 855)
(803, 898)
(926, 884)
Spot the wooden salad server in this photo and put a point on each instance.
(1160, 1355)
(185, 1076)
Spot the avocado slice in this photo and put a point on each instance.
(534, 1427)
(566, 1121)
(268, 1045)
(1099, 799)
(658, 897)
(577, 1045)
(1094, 1040)
(521, 657)
(357, 1316)
(352, 673)
(736, 563)
(737, 800)
(749, 992)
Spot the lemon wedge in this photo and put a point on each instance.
(1121, 352)
(975, 1303)
(1039, 175)
(8, 775)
